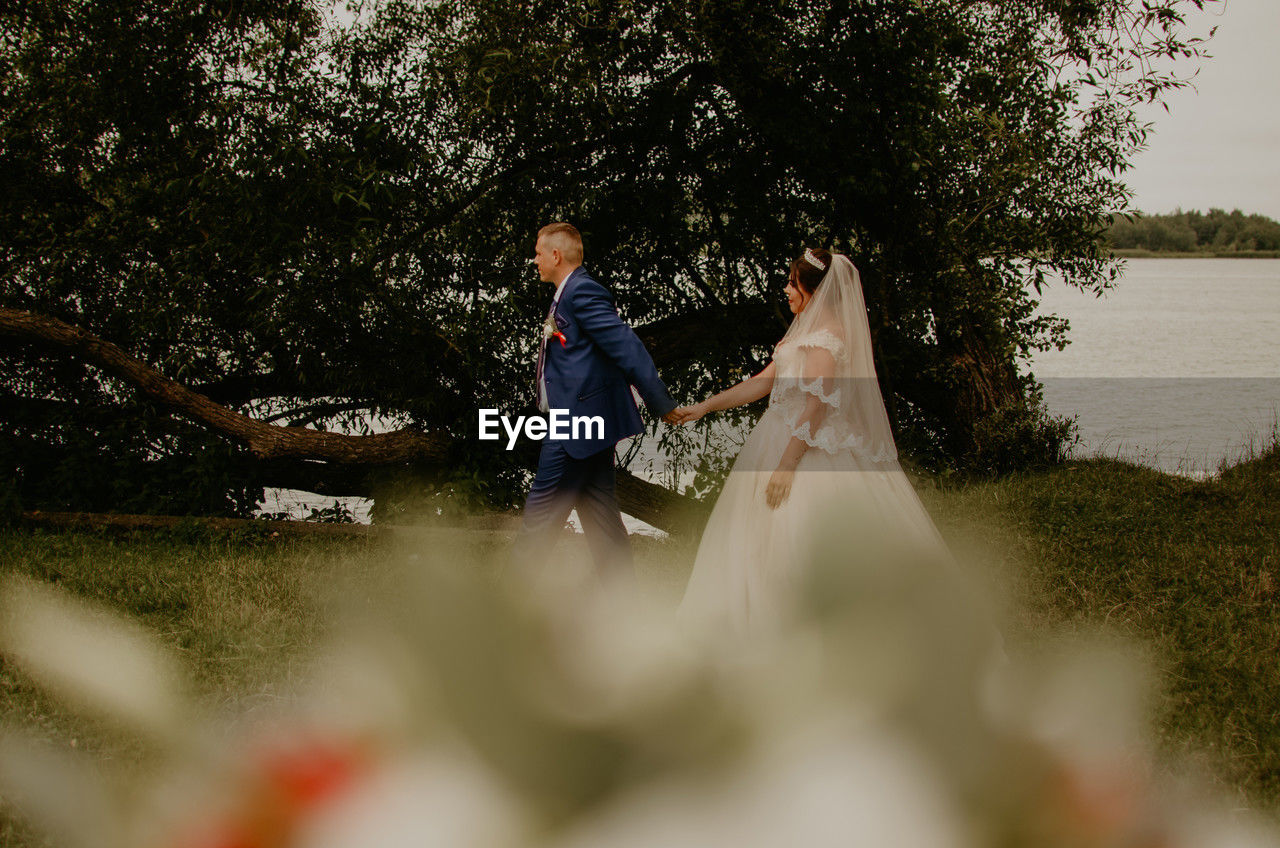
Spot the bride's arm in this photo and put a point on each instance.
(813, 413)
(750, 389)
(819, 363)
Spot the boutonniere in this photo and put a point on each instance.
(550, 329)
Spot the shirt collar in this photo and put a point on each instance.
(560, 287)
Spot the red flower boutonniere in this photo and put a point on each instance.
(549, 330)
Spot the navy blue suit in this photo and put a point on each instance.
(589, 373)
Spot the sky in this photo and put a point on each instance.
(1219, 144)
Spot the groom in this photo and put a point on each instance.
(587, 361)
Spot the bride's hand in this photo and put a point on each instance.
(779, 487)
(689, 414)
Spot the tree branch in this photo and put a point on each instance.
(691, 335)
(653, 504)
(264, 440)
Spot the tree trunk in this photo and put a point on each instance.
(677, 514)
(125, 522)
(265, 441)
(985, 383)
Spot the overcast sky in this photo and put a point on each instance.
(1220, 146)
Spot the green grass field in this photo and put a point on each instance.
(1191, 568)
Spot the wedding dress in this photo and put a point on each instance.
(751, 556)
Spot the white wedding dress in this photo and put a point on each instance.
(751, 556)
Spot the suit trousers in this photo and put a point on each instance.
(560, 484)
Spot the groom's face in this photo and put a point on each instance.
(547, 260)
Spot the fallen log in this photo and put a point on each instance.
(127, 522)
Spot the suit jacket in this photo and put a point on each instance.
(591, 372)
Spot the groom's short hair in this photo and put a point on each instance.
(564, 238)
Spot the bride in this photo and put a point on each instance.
(824, 439)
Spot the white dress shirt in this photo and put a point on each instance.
(543, 404)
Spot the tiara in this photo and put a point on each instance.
(813, 260)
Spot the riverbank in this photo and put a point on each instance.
(1191, 568)
(1139, 253)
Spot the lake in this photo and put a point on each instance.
(1177, 367)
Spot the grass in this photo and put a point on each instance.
(238, 609)
(1190, 567)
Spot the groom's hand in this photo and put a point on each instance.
(673, 417)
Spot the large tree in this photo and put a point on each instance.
(312, 223)
(961, 151)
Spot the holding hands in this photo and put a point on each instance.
(686, 414)
(779, 487)
(750, 389)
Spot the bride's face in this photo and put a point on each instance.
(797, 297)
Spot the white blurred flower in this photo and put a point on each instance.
(94, 659)
(574, 715)
(619, 655)
(829, 788)
(62, 793)
(437, 800)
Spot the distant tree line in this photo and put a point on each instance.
(1195, 232)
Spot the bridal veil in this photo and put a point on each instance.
(852, 414)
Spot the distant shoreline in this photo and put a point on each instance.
(1140, 253)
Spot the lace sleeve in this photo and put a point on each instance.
(818, 392)
(815, 415)
(814, 387)
(823, 353)
(825, 339)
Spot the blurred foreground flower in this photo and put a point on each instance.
(471, 714)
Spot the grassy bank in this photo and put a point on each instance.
(1190, 567)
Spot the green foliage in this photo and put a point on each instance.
(1020, 436)
(1216, 232)
(212, 204)
(709, 476)
(441, 498)
(10, 504)
(961, 153)
(119, 456)
(317, 224)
